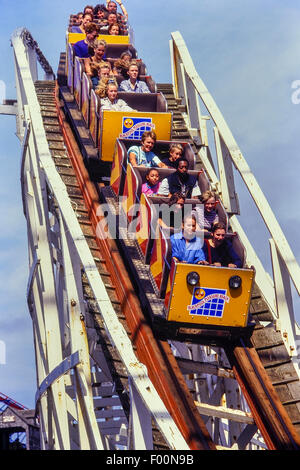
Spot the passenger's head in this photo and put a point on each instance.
(189, 226)
(177, 200)
(114, 29)
(111, 90)
(152, 176)
(112, 18)
(79, 17)
(182, 166)
(100, 12)
(100, 48)
(176, 151)
(104, 70)
(133, 71)
(86, 19)
(112, 7)
(91, 31)
(218, 232)
(126, 56)
(89, 9)
(209, 199)
(118, 67)
(148, 140)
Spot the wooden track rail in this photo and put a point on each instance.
(267, 410)
(149, 349)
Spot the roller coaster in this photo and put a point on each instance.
(127, 357)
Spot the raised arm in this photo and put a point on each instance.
(124, 11)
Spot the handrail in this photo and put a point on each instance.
(189, 87)
(28, 40)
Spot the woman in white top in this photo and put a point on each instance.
(111, 101)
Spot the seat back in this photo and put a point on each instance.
(86, 87)
(114, 51)
(119, 168)
(78, 71)
(149, 102)
(70, 67)
(131, 193)
(143, 233)
(160, 260)
(94, 116)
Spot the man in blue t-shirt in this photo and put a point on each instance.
(81, 48)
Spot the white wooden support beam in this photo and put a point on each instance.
(43, 291)
(23, 159)
(47, 329)
(89, 434)
(262, 278)
(65, 366)
(140, 429)
(21, 100)
(227, 186)
(177, 77)
(224, 413)
(205, 156)
(286, 322)
(232, 400)
(172, 57)
(9, 110)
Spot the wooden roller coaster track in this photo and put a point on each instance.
(260, 363)
(164, 372)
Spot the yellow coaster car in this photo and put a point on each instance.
(209, 295)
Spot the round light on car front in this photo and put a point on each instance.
(235, 282)
(193, 278)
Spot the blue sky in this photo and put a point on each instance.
(246, 52)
